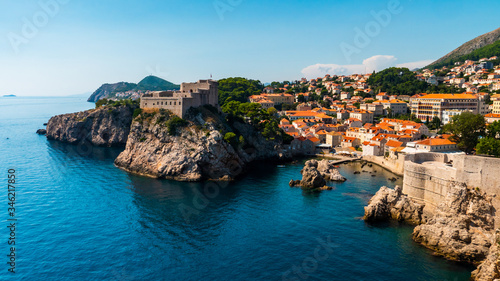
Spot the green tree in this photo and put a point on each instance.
(494, 130)
(301, 98)
(231, 138)
(488, 146)
(435, 123)
(238, 89)
(272, 111)
(466, 129)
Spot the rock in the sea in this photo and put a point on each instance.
(315, 174)
(311, 176)
(461, 228)
(193, 149)
(41, 131)
(393, 204)
(294, 183)
(104, 126)
(329, 172)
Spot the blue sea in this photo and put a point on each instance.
(81, 218)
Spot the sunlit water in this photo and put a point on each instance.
(81, 218)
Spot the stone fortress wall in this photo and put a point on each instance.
(190, 95)
(427, 177)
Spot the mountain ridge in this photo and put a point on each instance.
(467, 48)
(149, 83)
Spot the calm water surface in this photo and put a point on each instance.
(80, 218)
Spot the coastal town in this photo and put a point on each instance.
(344, 115)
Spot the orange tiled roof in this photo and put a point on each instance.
(434, 142)
(393, 143)
(448, 96)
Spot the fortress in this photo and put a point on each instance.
(190, 95)
(428, 177)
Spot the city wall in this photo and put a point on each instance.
(427, 177)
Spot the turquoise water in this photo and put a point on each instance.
(80, 218)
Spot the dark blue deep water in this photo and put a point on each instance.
(81, 218)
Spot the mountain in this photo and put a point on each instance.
(153, 83)
(150, 83)
(486, 45)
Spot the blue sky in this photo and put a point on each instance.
(66, 47)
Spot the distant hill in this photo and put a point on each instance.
(150, 83)
(484, 46)
(153, 83)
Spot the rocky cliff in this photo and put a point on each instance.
(393, 204)
(104, 126)
(161, 145)
(490, 268)
(462, 226)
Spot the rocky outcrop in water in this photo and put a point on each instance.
(104, 126)
(461, 228)
(311, 176)
(316, 173)
(163, 146)
(393, 204)
(41, 131)
(329, 172)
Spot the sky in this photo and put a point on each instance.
(68, 47)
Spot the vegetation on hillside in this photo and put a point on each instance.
(484, 52)
(153, 83)
(238, 89)
(113, 103)
(402, 81)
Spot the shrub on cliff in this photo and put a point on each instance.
(137, 112)
(231, 138)
(174, 123)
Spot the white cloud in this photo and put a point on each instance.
(375, 63)
(415, 64)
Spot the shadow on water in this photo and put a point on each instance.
(85, 151)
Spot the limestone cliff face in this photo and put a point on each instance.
(461, 228)
(490, 268)
(194, 151)
(104, 126)
(393, 204)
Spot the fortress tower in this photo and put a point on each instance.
(190, 95)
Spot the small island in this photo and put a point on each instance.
(9, 96)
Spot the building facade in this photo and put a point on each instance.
(203, 92)
(433, 105)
